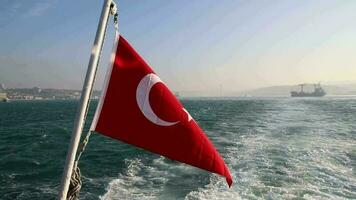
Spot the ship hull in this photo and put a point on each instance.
(298, 94)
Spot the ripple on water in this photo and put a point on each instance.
(276, 148)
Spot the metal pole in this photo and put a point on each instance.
(84, 99)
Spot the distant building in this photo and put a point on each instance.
(37, 90)
(2, 87)
(28, 97)
(177, 94)
(3, 96)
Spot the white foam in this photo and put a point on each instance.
(268, 161)
(216, 189)
(129, 185)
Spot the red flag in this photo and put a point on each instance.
(136, 107)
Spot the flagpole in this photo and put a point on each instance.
(84, 99)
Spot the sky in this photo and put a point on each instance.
(204, 46)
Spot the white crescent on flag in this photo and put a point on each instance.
(143, 102)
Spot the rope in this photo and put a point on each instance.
(75, 184)
(75, 180)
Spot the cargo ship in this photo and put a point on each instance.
(318, 91)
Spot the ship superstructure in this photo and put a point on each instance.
(318, 91)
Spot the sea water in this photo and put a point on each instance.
(276, 148)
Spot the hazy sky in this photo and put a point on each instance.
(192, 45)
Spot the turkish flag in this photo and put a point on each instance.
(136, 107)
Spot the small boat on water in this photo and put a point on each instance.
(318, 91)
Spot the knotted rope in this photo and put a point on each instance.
(75, 184)
(75, 181)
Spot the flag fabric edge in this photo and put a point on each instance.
(106, 82)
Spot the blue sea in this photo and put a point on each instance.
(276, 148)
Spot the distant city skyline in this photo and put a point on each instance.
(340, 88)
(209, 46)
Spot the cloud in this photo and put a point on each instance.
(40, 8)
